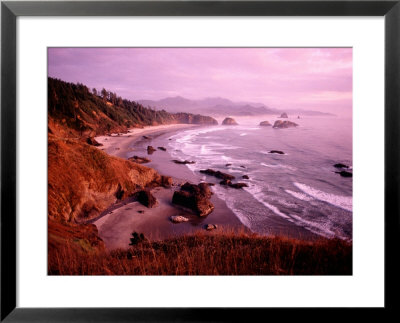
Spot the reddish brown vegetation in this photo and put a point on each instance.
(83, 180)
(211, 254)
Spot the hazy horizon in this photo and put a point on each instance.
(317, 79)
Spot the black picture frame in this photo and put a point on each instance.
(10, 10)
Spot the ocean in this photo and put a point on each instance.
(298, 189)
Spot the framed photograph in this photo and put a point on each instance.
(198, 161)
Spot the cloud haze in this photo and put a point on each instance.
(282, 78)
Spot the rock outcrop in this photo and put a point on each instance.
(139, 160)
(229, 122)
(150, 150)
(162, 148)
(194, 119)
(265, 123)
(178, 219)
(284, 124)
(93, 142)
(217, 174)
(284, 115)
(146, 198)
(229, 183)
(340, 165)
(183, 162)
(194, 197)
(276, 152)
(345, 173)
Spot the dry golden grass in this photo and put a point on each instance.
(202, 253)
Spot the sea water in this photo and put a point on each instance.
(298, 188)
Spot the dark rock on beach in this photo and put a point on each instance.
(238, 185)
(178, 219)
(340, 165)
(284, 115)
(276, 152)
(194, 197)
(245, 177)
(229, 183)
(146, 198)
(229, 122)
(345, 173)
(150, 150)
(145, 137)
(265, 123)
(217, 174)
(162, 148)
(284, 124)
(139, 160)
(184, 162)
(225, 182)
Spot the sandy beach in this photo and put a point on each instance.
(116, 224)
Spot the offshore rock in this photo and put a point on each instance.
(284, 124)
(229, 122)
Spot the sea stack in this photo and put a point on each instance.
(194, 197)
(265, 123)
(284, 115)
(229, 122)
(284, 124)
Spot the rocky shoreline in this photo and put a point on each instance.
(184, 205)
(183, 202)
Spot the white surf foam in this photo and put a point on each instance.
(243, 134)
(257, 193)
(318, 228)
(278, 166)
(300, 196)
(226, 158)
(230, 203)
(343, 202)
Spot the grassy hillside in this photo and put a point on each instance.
(211, 254)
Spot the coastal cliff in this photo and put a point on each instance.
(83, 181)
(94, 180)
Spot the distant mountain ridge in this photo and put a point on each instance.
(217, 106)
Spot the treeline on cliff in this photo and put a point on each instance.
(88, 112)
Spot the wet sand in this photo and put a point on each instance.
(116, 224)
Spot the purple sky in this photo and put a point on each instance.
(282, 78)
